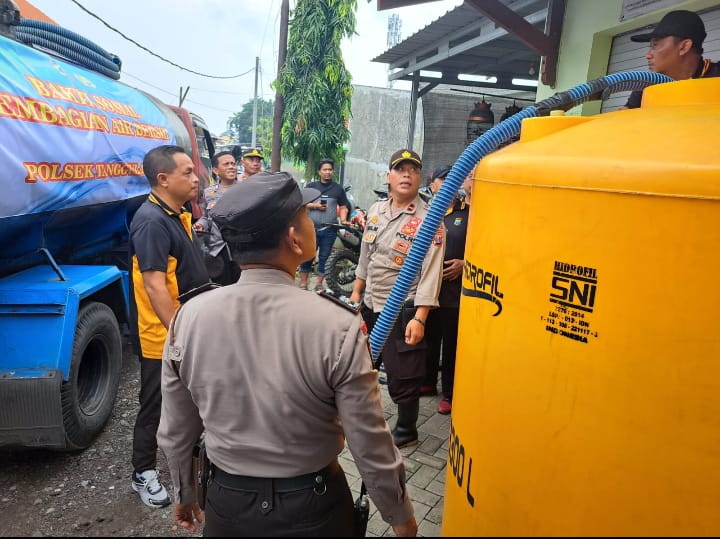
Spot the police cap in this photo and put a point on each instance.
(260, 205)
(404, 155)
(253, 152)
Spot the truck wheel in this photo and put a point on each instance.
(340, 271)
(89, 393)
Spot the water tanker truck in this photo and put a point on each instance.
(72, 142)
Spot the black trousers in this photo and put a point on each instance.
(326, 511)
(148, 418)
(441, 328)
(404, 363)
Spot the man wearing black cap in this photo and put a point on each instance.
(442, 323)
(429, 386)
(676, 50)
(437, 178)
(433, 183)
(278, 395)
(391, 228)
(251, 161)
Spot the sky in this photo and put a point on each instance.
(221, 38)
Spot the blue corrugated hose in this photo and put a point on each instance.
(491, 139)
(70, 45)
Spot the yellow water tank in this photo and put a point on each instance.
(587, 386)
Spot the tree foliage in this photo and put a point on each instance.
(264, 135)
(314, 82)
(241, 122)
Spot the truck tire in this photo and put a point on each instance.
(88, 395)
(340, 271)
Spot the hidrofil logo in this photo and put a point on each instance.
(485, 285)
(574, 286)
(572, 298)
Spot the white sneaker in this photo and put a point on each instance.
(151, 490)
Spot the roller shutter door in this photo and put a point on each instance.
(627, 55)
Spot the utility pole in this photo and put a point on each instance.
(254, 125)
(275, 159)
(393, 38)
(183, 95)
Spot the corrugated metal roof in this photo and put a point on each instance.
(464, 41)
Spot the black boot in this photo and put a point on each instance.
(405, 432)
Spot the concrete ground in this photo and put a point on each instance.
(424, 465)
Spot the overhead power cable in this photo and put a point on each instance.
(175, 95)
(194, 89)
(126, 74)
(157, 55)
(219, 91)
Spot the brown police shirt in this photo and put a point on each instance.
(279, 379)
(384, 249)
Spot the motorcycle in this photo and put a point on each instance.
(341, 264)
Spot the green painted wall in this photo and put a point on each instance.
(587, 34)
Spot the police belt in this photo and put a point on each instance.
(316, 480)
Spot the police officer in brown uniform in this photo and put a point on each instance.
(252, 162)
(391, 228)
(220, 265)
(279, 394)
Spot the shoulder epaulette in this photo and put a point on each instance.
(343, 301)
(187, 296)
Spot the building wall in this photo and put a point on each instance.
(586, 41)
(445, 115)
(378, 127)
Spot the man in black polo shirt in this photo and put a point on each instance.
(676, 50)
(165, 261)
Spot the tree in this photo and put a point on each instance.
(264, 135)
(241, 122)
(314, 83)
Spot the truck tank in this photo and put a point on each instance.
(71, 156)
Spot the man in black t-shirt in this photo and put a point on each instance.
(333, 203)
(676, 50)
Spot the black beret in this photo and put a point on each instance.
(262, 204)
